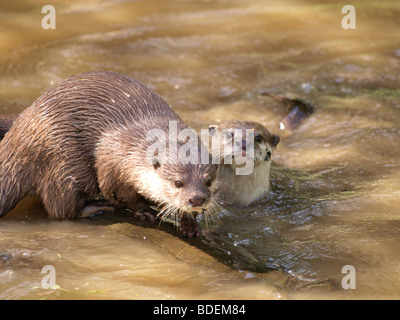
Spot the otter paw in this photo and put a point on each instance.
(147, 214)
(189, 228)
(91, 210)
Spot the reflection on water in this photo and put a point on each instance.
(335, 198)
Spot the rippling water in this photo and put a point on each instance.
(335, 198)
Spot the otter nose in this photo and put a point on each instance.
(197, 201)
(244, 144)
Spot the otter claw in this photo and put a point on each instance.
(145, 214)
(93, 209)
(189, 228)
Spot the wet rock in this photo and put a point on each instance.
(194, 253)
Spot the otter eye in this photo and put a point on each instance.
(178, 183)
(229, 135)
(258, 138)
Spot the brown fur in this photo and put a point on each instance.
(249, 189)
(6, 121)
(86, 136)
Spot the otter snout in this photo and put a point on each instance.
(244, 147)
(197, 201)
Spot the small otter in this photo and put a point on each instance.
(88, 136)
(255, 144)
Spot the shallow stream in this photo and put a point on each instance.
(336, 178)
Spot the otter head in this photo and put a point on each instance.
(186, 187)
(247, 140)
(179, 184)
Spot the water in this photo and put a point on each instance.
(335, 198)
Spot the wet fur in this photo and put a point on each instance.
(245, 190)
(87, 136)
(6, 121)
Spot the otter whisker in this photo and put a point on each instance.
(215, 209)
(169, 213)
(204, 212)
(211, 213)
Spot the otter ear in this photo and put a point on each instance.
(156, 164)
(212, 129)
(275, 140)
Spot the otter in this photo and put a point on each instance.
(87, 136)
(251, 187)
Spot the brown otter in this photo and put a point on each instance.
(88, 136)
(252, 186)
